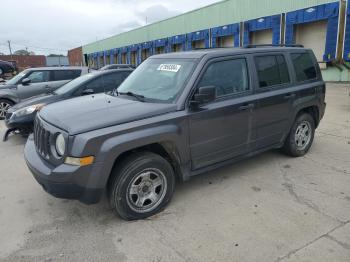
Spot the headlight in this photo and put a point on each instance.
(60, 145)
(28, 110)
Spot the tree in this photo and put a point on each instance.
(23, 52)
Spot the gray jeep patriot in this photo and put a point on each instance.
(176, 116)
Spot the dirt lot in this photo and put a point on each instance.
(269, 208)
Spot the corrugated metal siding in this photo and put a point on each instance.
(225, 12)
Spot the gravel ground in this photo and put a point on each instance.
(268, 208)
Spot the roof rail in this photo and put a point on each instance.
(272, 45)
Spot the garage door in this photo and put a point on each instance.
(225, 41)
(261, 37)
(312, 35)
(198, 44)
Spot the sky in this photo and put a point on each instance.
(55, 26)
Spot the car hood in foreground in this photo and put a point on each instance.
(93, 112)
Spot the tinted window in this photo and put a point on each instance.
(229, 77)
(39, 76)
(60, 75)
(272, 70)
(96, 85)
(304, 67)
(113, 81)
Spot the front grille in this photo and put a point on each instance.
(41, 139)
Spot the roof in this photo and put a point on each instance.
(49, 68)
(197, 54)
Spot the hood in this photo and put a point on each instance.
(40, 99)
(93, 112)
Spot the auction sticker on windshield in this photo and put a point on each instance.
(169, 68)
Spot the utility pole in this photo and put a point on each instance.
(9, 42)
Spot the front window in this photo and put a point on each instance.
(39, 76)
(159, 79)
(74, 83)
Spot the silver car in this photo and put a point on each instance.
(35, 81)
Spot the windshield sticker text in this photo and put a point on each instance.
(169, 68)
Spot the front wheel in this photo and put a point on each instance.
(301, 136)
(4, 106)
(143, 185)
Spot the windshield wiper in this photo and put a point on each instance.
(141, 98)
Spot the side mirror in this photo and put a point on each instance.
(26, 81)
(87, 92)
(205, 94)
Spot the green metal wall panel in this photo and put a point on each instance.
(225, 12)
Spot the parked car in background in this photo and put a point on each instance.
(21, 116)
(6, 68)
(35, 81)
(176, 116)
(116, 66)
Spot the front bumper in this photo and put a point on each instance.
(21, 123)
(63, 181)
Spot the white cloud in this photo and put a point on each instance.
(65, 24)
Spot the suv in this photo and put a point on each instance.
(177, 115)
(35, 81)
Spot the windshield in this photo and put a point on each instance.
(159, 79)
(15, 79)
(73, 84)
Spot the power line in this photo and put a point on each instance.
(35, 47)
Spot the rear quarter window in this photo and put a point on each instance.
(304, 66)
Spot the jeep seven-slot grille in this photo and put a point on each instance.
(41, 139)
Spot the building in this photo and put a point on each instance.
(57, 61)
(25, 61)
(322, 25)
(75, 56)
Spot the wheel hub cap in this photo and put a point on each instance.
(303, 135)
(3, 108)
(146, 191)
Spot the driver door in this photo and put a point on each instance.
(222, 129)
(39, 84)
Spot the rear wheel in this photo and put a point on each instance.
(143, 185)
(4, 106)
(301, 136)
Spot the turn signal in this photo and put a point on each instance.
(82, 161)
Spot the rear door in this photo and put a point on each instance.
(276, 96)
(61, 77)
(39, 84)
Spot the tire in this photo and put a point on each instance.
(142, 186)
(301, 136)
(4, 106)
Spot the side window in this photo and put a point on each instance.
(39, 76)
(229, 77)
(60, 75)
(272, 70)
(304, 67)
(96, 85)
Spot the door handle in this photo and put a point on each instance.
(246, 107)
(47, 86)
(289, 96)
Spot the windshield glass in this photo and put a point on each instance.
(15, 79)
(73, 84)
(159, 79)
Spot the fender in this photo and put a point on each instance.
(8, 94)
(166, 134)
